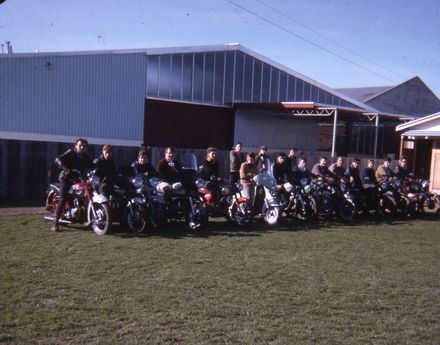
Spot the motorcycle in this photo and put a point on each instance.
(182, 199)
(421, 200)
(85, 204)
(264, 201)
(380, 198)
(135, 203)
(297, 200)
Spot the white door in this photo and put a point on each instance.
(435, 167)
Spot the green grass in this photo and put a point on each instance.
(369, 283)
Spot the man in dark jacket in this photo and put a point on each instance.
(353, 174)
(142, 166)
(209, 169)
(168, 168)
(105, 169)
(262, 160)
(236, 158)
(73, 159)
(281, 169)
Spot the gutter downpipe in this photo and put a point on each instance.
(335, 124)
(376, 134)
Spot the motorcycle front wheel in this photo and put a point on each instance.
(386, 206)
(198, 218)
(272, 215)
(324, 207)
(347, 210)
(430, 205)
(241, 213)
(136, 218)
(99, 219)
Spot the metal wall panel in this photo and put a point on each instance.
(254, 128)
(95, 95)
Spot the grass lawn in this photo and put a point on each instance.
(367, 283)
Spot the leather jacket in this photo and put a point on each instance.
(72, 160)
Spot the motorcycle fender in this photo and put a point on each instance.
(242, 199)
(99, 198)
(54, 187)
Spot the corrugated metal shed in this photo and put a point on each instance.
(278, 131)
(90, 95)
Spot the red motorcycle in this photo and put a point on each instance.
(85, 205)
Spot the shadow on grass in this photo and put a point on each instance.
(220, 227)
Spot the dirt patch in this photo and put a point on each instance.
(16, 211)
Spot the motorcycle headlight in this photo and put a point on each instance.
(137, 182)
(288, 187)
(154, 182)
(95, 181)
(200, 183)
(226, 191)
(307, 188)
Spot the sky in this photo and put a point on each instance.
(339, 43)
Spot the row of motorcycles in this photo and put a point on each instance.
(142, 202)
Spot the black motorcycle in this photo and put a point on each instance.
(182, 199)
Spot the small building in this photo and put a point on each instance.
(420, 143)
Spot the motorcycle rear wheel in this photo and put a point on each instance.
(102, 222)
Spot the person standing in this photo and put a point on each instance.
(73, 159)
(236, 158)
(292, 159)
(262, 160)
(248, 170)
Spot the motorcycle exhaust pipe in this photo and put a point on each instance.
(62, 221)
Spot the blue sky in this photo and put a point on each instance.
(399, 39)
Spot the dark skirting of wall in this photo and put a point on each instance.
(27, 167)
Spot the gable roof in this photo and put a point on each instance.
(418, 122)
(364, 94)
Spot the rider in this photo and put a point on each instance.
(384, 171)
(248, 170)
(210, 167)
(281, 170)
(300, 171)
(142, 166)
(73, 159)
(337, 168)
(402, 169)
(105, 169)
(368, 175)
(236, 158)
(209, 171)
(320, 170)
(292, 159)
(262, 160)
(353, 174)
(168, 168)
